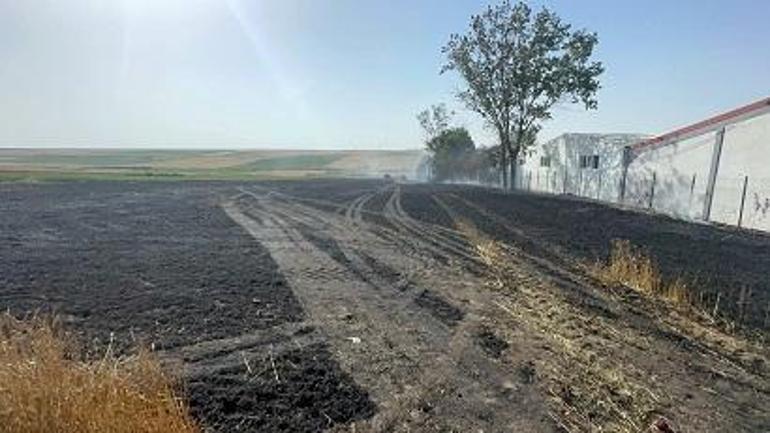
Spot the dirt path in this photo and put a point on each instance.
(407, 308)
(401, 323)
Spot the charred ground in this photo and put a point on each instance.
(161, 264)
(302, 306)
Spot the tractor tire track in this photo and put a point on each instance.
(421, 363)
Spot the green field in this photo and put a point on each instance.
(125, 164)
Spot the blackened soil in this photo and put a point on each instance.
(425, 208)
(162, 264)
(439, 307)
(338, 191)
(719, 260)
(331, 195)
(306, 392)
(328, 245)
(373, 209)
(385, 272)
(491, 343)
(373, 268)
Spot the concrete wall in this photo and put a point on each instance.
(681, 169)
(668, 176)
(680, 172)
(745, 152)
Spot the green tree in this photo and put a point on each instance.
(517, 66)
(451, 149)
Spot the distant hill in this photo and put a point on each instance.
(204, 164)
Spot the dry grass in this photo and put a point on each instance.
(47, 386)
(631, 267)
(489, 251)
(588, 390)
(599, 372)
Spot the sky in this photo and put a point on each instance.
(326, 74)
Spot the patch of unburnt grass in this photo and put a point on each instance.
(631, 266)
(634, 268)
(47, 384)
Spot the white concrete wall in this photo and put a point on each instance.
(675, 167)
(745, 152)
(681, 170)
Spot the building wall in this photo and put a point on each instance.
(745, 153)
(681, 169)
(565, 175)
(672, 177)
(532, 176)
(668, 176)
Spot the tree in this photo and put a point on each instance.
(434, 120)
(517, 66)
(449, 147)
(451, 150)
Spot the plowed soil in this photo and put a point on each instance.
(352, 305)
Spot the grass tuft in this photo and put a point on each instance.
(631, 267)
(47, 385)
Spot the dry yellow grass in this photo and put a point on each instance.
(46, 386)
(587, 390)
(633, 268)
(595, 372)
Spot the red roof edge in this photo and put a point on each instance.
(704, 124)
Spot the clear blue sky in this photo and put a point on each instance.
(338, 73)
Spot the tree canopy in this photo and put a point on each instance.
(517, 66)
(451, 148)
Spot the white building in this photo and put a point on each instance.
(589, 165)
(716, 170)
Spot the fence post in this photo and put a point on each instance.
(529, 181)
(652, 189)
(692, 191)
(624, 173)
(548, 179)
(580, 182)
(712, 180)
(564, 181)
(599, 188)
(743, 200)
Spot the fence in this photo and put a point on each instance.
(718, 174)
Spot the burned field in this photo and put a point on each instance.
(728, 266)
(162, 265)
(365, 305)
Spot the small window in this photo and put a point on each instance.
(545, 161)
(589, 161)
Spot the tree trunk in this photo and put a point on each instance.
(504, 166)
(505, 146)
(514, 166)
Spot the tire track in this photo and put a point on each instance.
(423, 374)
(425, 234)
